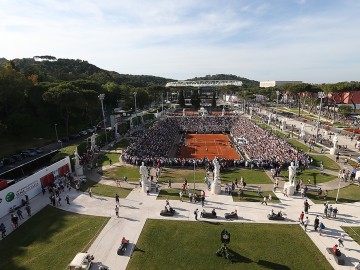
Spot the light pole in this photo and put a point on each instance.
(102, 97)
(194, 175)
(57, 138)
(277, 103)
(321, 95)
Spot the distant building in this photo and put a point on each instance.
(266, 84)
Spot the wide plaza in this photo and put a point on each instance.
(156, 243)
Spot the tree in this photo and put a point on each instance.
(345, 110)
(195, 99)
(181, 99)
(67, 98)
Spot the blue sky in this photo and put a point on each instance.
(314, 41)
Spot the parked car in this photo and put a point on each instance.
(8, 161)
(90, 130)
(74, 136)
(37, 150)
(82, 261)
(83, 133)
(18, 157)
(25, 153)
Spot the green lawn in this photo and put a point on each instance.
(173, 194)
(179, 175)
(104, 190)
(252, 196)
(327, 162)
(353, 232)
(250, 176)
(316, 177)
(49, 240)
(295, 143)
(104, 159)
(165, 244)
(118, 172)
(121, 144)
(349, 194)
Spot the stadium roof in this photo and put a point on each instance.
(202, 83)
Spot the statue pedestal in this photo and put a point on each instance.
(290, 189)
(216, 188)
(333, 151)
(357, 175)
(79, 171)
(146, 185)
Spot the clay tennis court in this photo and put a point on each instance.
(208, 145)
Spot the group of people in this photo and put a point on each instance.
(247, 137)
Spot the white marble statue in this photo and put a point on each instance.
(93, 142)
(79, 171)
(184, 112)
(144, 174)
(302, 130)
(292, 173)
(223, 111)
(335, 142)
(216, 185)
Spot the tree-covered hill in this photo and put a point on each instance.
(246, 82)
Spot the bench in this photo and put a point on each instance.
(167, 213)
(340, 260)
(275, 217)
(231, 216)
(122, 249)
(207, 215)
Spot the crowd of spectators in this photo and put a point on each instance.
(260, 147)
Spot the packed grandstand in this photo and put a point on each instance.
(254, 144)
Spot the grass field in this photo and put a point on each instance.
(250, 176)
(353, 232)
(328, 163)
(118, 172)
(49, 240)
(104, 159)
(179, 175)
(192, 245)
(173, 194)
(252, 196)
(104, 190)
(295, 143)
(316, 177)
(349, 194)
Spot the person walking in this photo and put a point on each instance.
(58, 201)
(28, 210)
(117, 210)
(19, 213)
(110, 162)
(67, 199)
(341, 239)
(264, 200)
(3, 230)
(181, 195)
(90, 192)
(301, 219)
(316, 223)
(306, 207)
(117, 199)
(202, 198)
(306, 223)
(196, 213)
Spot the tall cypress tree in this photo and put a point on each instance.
(181, 99)
(195, 99)
(213, 101)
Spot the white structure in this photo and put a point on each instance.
(79, 170)
(266, 84)
(145, 183)
(302, 131)
(216, 185)
(333, 150)
(289, 187)
(31, 186)
(93, 142)
(202, 83)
